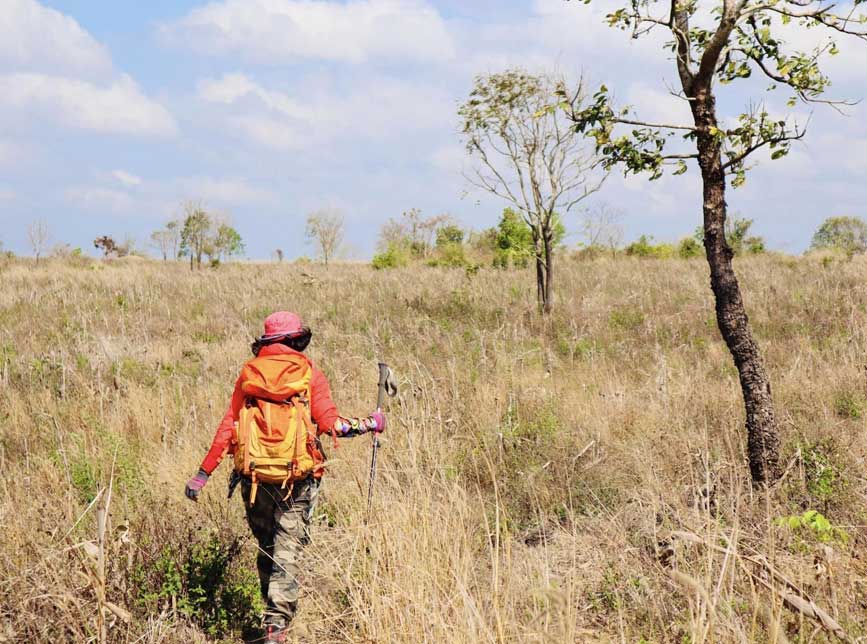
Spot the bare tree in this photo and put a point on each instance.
(715, 43)
(167, 239)
(325, 229)
(601, 227)
(38, 237)
(528, 154)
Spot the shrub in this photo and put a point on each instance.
(644, 248)
(849, 404)
(689, 247)
(847, 234)
(450, 256)
(205, 582)
(449, 235)
(393, 257)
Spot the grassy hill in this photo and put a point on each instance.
(577, 480)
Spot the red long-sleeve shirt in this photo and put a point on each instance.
(323, 411)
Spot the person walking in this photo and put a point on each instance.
(280, 406)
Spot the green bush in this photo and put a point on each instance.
(689, 247)
(203, 580)
(849, 404)
(644, 248)
(393, 257)
(450, 256)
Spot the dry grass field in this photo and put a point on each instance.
(578, 480)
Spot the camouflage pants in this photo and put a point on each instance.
(281, 528)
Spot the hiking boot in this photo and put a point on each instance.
(275, 634)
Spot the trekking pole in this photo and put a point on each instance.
(386, 387)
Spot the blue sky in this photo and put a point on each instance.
(112, 114)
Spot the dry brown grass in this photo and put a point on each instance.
(578, 481)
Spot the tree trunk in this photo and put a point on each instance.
(763, 439)
(549, 271)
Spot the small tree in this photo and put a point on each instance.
(528, 155)
(226, 242)
(106, 244)
(38, 237)
(601, 228)
(847, 234)
(325, 230)
(195, 234)
(738, 238)
(449, 234)
(166, 240)
(279, 254)
(717, 42)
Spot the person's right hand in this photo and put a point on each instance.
(195, 485)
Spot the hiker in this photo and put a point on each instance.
(280, 406)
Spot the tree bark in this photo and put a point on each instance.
(763, 439)
(549, 271)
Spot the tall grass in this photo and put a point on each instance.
(581, 479)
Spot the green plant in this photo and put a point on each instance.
(394, 256)
(644, 248)
(206, 582)
(689, 247)
(815, 522)
(449, 255)
(847, 234)
(822, 476)
(849, 404)
(626, 318)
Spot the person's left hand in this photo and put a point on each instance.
(377, 422)
(195, 485)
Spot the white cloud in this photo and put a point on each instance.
(119, 108)
(98, 200)
(126, 178)
(225, 192)
(36, 38)
(6, 194)
(373, 108)
(286, 30)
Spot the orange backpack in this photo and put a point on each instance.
(275, 439)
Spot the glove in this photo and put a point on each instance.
(195, 485)
(376, 422)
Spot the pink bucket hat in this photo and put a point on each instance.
(282, 323)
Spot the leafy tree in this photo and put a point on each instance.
(717, 42)
(528, 155)
(195, 233)
(226, 242)
(847, 234)
(737, 237)
(325, 229)
(513, 244)
(449, 234)
(513, 239)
